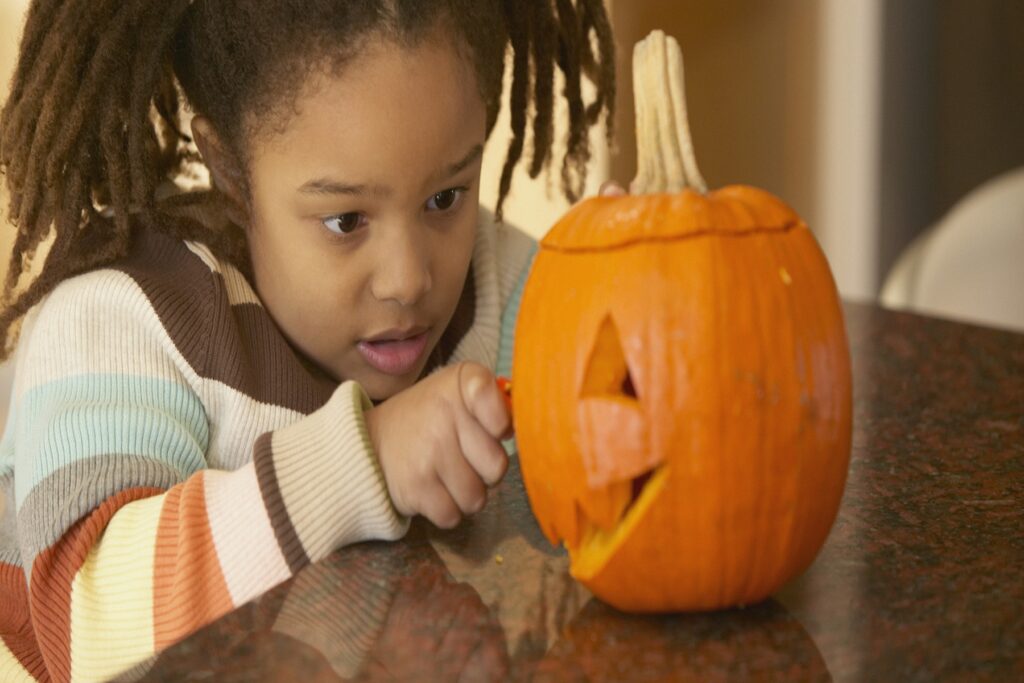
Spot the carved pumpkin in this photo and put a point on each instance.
(682, 379)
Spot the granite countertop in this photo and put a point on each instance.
(920, 579)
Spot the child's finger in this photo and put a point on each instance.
(437, 505)
(482, 451)
(484, 401)
(463, 483)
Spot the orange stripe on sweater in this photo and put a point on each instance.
(188, 586)
(15, 620)
(53, 572)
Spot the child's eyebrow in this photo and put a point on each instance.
(329, 186)
(464, 163)
(319, 186)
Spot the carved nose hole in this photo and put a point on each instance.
(607, 373)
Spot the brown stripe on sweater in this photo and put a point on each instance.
(257, 360)
(240, 346)
(181, 289)
(287, 538)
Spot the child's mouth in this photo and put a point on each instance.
(397, 355)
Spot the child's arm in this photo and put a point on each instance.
(127, 540)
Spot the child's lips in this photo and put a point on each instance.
(395, 355)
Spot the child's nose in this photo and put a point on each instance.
(403, 271)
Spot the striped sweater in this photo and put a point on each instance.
(168, 456)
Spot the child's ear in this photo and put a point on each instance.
(225, 169)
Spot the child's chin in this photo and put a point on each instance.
(380, 387)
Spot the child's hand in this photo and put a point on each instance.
(439, 443)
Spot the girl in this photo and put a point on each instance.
(216, 388)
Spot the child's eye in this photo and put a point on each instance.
(444, 201)
(344, 224)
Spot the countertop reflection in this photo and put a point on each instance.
(920, 578)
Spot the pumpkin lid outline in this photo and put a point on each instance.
(605, 223)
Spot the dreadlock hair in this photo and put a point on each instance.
(92, 124)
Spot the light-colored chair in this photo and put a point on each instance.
(970, 265)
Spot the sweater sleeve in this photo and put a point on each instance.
(128, 540)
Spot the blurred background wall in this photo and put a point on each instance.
(11, 13)
(871, 117)
(751, 88)
(953, 109)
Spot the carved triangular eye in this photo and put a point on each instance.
(627, 386)
(611, 429)
(607, 374)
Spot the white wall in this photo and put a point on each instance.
(11, 14)
(536, 204)
(849, 139)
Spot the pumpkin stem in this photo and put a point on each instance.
(665, 158)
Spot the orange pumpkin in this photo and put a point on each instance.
(682, 379)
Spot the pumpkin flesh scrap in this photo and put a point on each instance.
(612, 425)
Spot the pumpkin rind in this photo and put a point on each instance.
(742, 374)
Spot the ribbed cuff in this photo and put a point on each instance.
(329, 483)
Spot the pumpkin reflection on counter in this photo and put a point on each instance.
(753, 644)
(682, 379)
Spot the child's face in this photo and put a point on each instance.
(364, 209)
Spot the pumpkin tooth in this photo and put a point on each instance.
(597, 545)
(636, 489)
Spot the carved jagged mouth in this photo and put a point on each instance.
(636, 489)
(598, 545)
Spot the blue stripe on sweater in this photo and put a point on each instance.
(508, 320)
(76, 418)
(506, 340)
